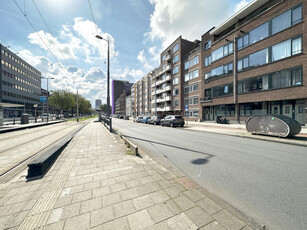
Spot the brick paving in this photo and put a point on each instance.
(94, 184)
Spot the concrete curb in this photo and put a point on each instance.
(129, 144)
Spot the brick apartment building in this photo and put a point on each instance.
(253, 63)
(167, 80)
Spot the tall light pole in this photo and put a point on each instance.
(47, 78)
(108, 75)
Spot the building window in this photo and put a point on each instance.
(193, 61)
(224, 90)
(208, 60)
(175, 59)
(281, 50)
(259, 58)
(175, 91)
(163, 57)
(176, 102)
(208, 95)
(175, 48)
(186, 65)
(176, 69)
(175, 81)
(208, 45)
(221, 52)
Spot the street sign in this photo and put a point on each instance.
(186, 108)
(43, 98)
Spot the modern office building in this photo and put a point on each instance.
(118, 88)
(20, 83)
(168, 79)
(98, 103)
(254, 63)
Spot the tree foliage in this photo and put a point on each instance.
(104, 107)
(66, 102)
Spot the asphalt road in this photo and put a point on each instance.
(267, 181)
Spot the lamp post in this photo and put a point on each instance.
(108, 76)
(47, 78)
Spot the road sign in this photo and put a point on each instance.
(186, 108)
(43, 98)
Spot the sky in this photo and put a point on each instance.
(58, 36)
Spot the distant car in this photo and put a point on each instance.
(126, 117)
(121, 117)
(172, 121)
(145, 120)
(155, 120)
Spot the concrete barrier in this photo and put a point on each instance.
(129, 144)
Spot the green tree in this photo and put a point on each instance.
(104, 108)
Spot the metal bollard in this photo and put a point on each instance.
(111, 124)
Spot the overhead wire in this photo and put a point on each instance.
(101, 50)
(49, 31)
(35, 31)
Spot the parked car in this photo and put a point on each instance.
(172, 121)
(138, 119)
(145, 120)
(121, 116)
(155, 120)
(126, 117)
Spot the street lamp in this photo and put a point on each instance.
(47, 95)
(108, 76)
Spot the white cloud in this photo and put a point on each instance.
(241, 4)
(190, 19)
(143, 60)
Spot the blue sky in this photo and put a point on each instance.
(138, 30)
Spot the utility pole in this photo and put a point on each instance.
(77, 107)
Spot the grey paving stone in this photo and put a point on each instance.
(159, 197)
(123, 208)
(184, 203)
(81, 196)
(117, 187)
(57, 225)
(118, 224)
(209, 206)
(92, 185)
(140, 220)
(132, 183)
(213, 226)
(101, 191)
(169, 176)
(157, 177)
(148, 188)
(90, 205)
(194, 195)
(111, 199)
(55, 215)
(173, 207)
(181, 222)
(71, 210)
(16, 219)
(129, 194)
(63, 201)
(146, 180)
(102, 216)
(160, 226)
(247, 228)
(159, 212)
(78, 222)
(228, 220)
(173, 192)
(165, 183)
(198, 216)
(142, 202)
(108, 181)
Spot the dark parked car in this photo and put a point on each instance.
(126, 117)
(145, 120)
(155, 120)
(172, 121)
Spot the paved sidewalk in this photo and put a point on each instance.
(94, 184)
(240, 130)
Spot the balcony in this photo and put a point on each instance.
(168, 98)
(153, 109)
(168, 88)
(153, 93)
(168, 68)
(168, 77)
(165, 108)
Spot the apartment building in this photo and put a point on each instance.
(118, 87)
(168, 79)
(254, 63)
(20, 83)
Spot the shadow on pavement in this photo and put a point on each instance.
(172, 146)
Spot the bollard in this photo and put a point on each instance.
(111, 124)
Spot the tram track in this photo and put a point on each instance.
(10, 172)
